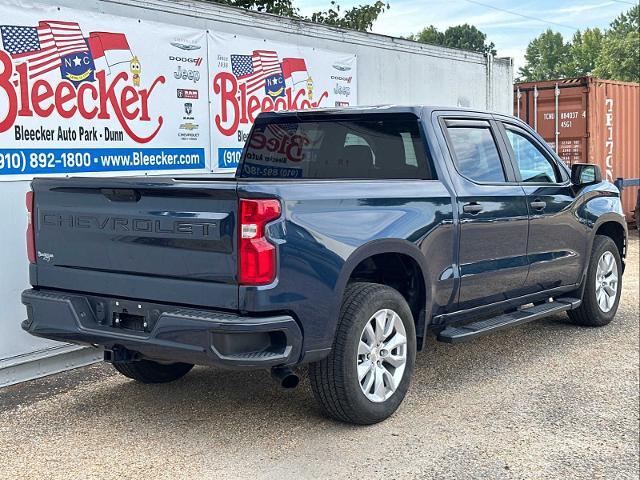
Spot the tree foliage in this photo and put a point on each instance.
(356, 18)
(429, 34)
(465, 37)
(277, 7)
(360, 18)
(620, 56)
(613, 54)
(584, 52)
(547, 56)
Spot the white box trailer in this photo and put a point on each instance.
(179, 41)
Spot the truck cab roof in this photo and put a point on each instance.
(417, 110)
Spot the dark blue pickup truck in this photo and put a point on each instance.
(344, 239)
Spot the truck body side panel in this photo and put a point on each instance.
(327, 222)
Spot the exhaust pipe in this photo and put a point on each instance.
(285, 377)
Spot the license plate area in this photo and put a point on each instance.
(132, 316)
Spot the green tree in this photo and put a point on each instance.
(620, 55)
(356, 18)
(465, 37)
(614, 54)
(277, 7)
(547, 57)
(430, 35)
(360, 18)
(585, 49)
(468, 37)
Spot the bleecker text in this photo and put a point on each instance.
(238, 107)
(89, 101)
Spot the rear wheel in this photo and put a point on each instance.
(367, 374)
(147, 371)
(604, 281)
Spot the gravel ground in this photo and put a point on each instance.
(545, 400)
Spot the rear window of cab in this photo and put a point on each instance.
(385, 146)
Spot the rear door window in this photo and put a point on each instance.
(476, 153)
(385, 146)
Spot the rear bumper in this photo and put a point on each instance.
(170, 333)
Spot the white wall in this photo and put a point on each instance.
(390, 70)
(14, 272)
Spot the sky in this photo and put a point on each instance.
(510, 33)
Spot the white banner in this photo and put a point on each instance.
(250, 75)
(88, 92)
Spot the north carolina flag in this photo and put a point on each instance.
(109, 49)
(294, 70)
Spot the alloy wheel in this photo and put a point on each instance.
(382, 355)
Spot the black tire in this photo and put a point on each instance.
(589, 313)
(334, 380)
(147, 371)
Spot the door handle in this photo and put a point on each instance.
(538, 204)
(473, 208)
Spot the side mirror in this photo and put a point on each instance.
(585, 174)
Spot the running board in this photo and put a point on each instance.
(466, 332)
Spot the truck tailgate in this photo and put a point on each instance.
(149, 238)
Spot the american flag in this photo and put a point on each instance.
(253, 70)
(42, 47)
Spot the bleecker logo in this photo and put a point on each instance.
(196, 61)
(90, 87)
(282, 85)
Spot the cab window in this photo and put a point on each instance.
(533, 165)
(476, 153)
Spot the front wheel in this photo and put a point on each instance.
(368, 373)
(604, 281)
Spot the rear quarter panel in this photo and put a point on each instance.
(329, 226)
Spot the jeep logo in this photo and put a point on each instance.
(184, 74)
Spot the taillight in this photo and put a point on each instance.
(31, 241)
(256, 255)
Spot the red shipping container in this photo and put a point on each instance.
(588, 120)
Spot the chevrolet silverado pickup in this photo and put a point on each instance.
(345, 238)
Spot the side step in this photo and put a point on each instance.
(469, 331)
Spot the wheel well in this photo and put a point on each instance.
(614, 231)
(400, 272)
